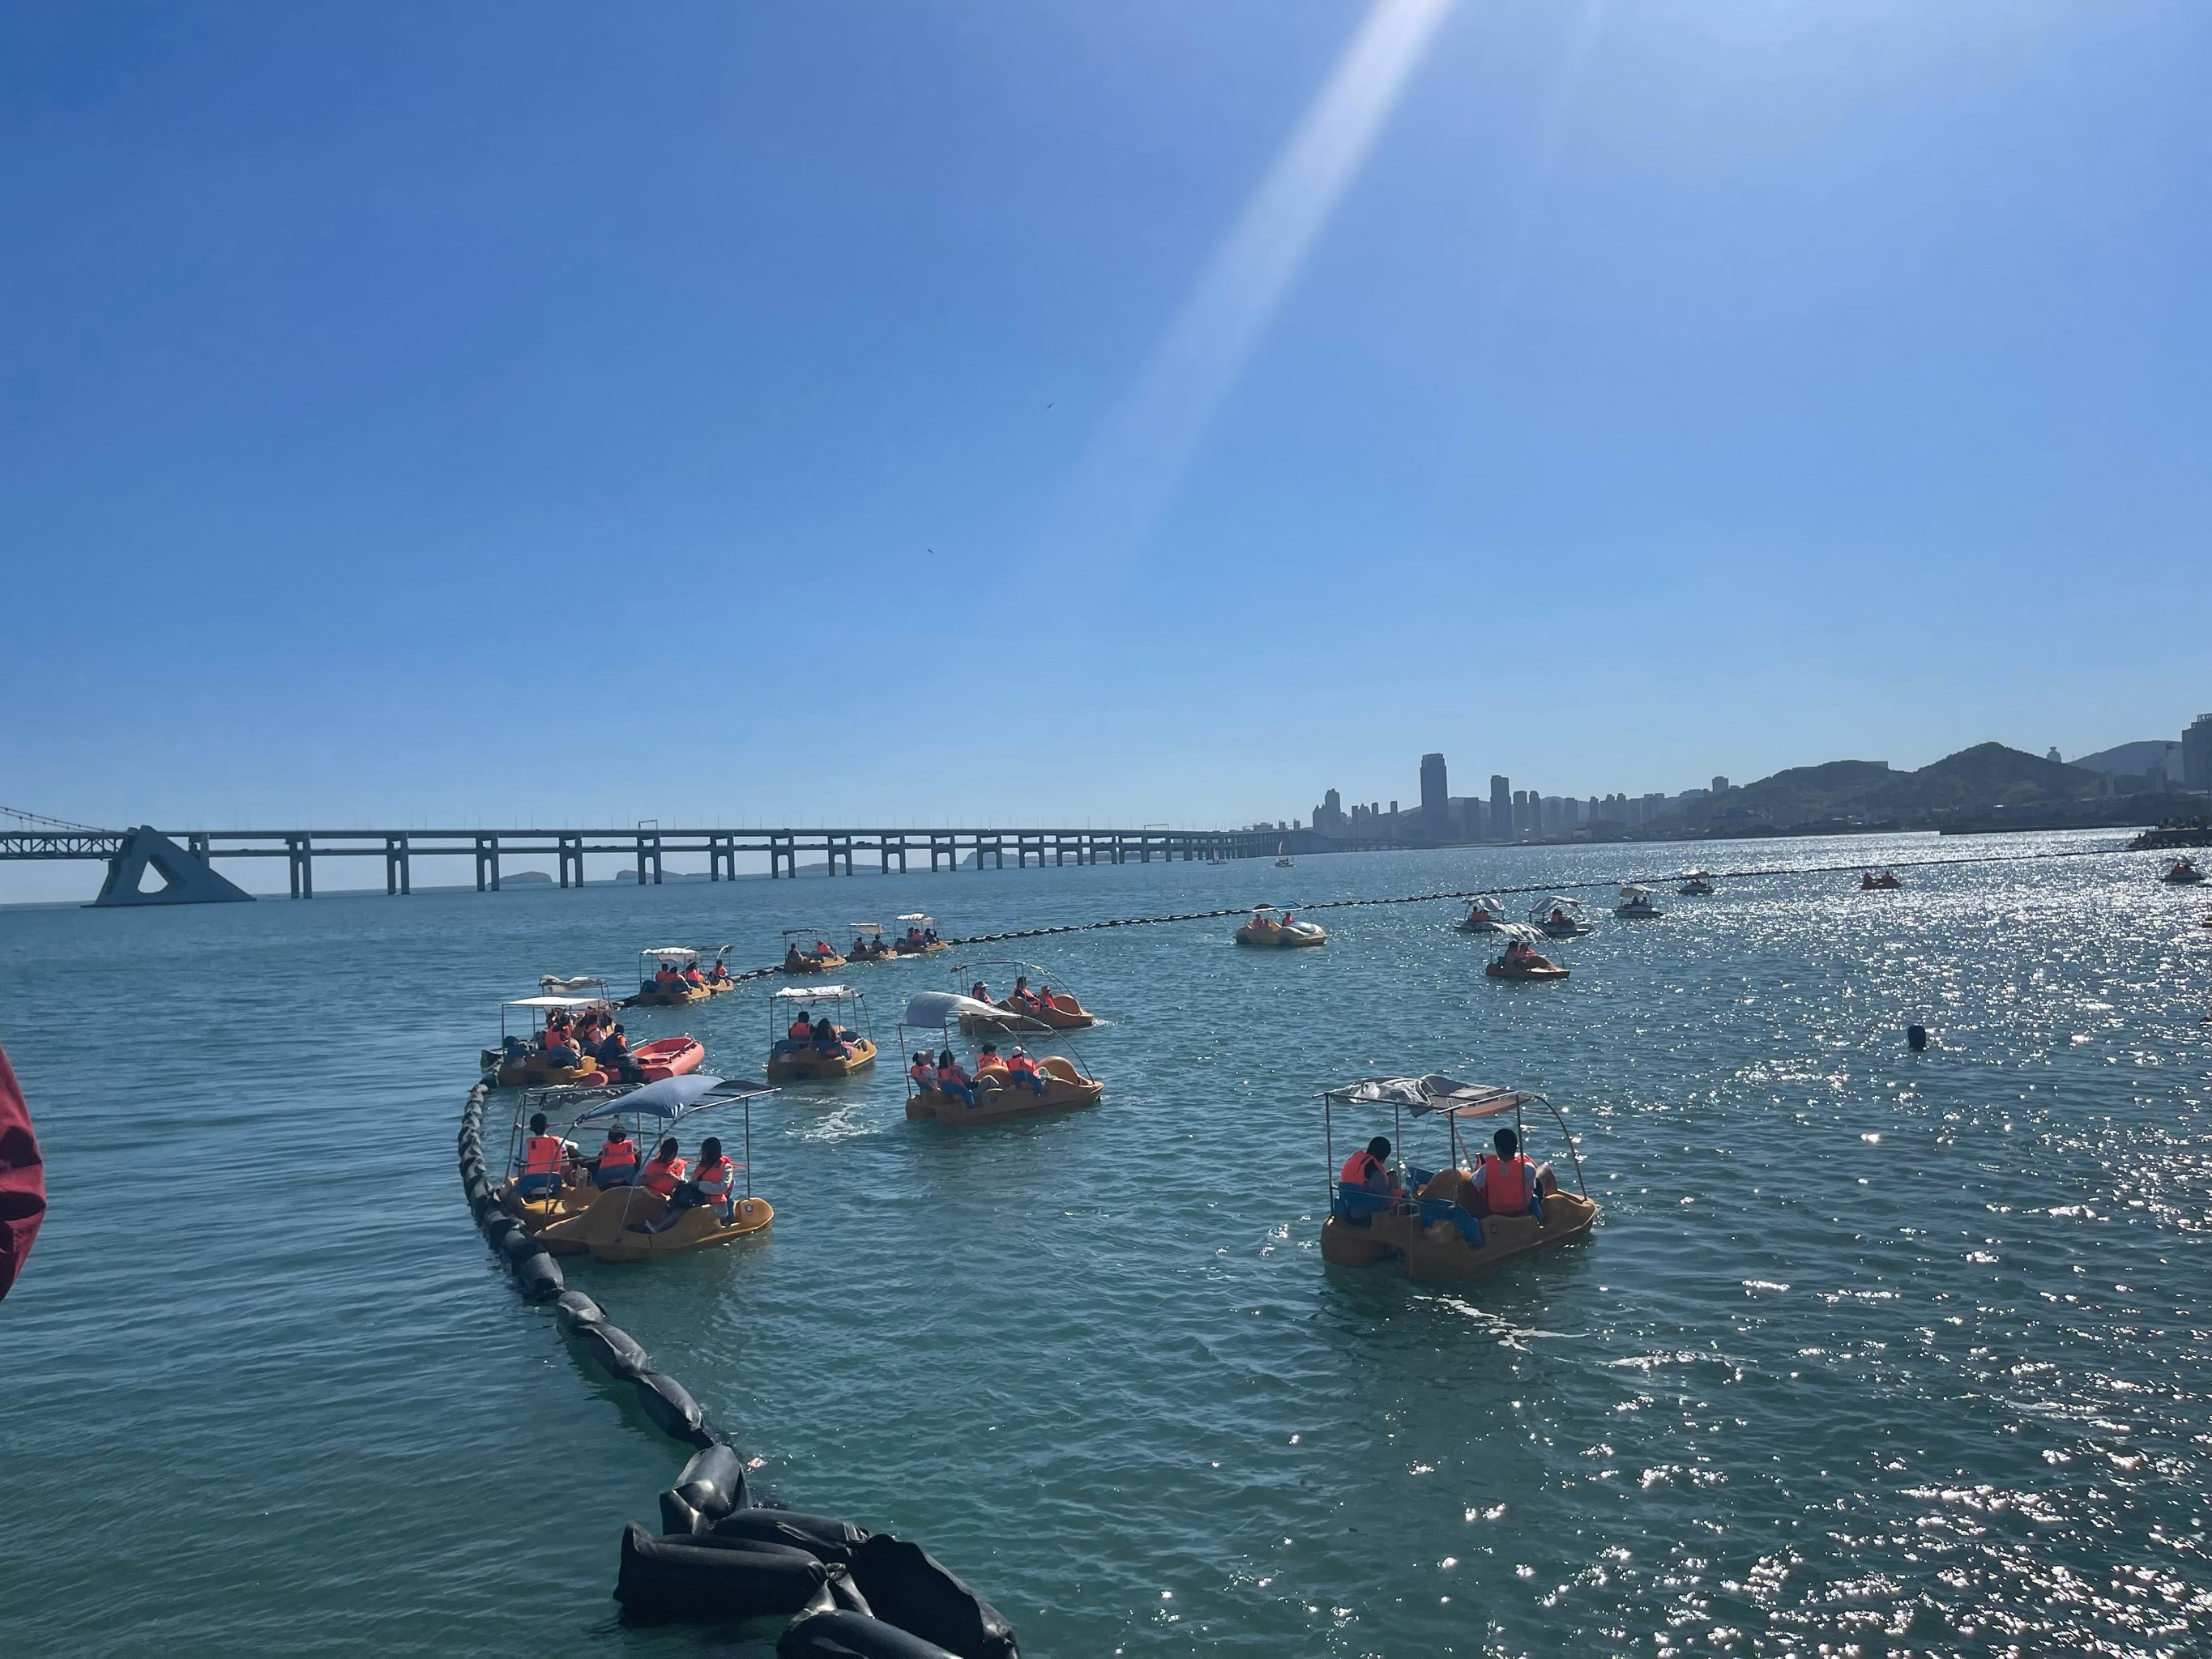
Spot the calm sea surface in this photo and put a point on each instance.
(1907, 1352)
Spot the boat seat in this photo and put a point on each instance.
(537, 1186)
(1357, 1203)
(1434, 1210)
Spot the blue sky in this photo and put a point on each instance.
(766, 414)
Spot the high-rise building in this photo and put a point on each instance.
(2197, 754)
(1720, 784)
(1436, 811)
(1501, 807)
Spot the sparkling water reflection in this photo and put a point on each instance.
(1870, 1348)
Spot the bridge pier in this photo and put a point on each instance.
(299, 860)
(782, 854)
(997, 849)
(487, 863)
(941, 847)
(648, 855)
(838, 847)
(398, 872)
(887, 849)
(571, 851)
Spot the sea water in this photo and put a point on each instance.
(1871, 1352)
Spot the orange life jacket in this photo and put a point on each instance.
(541, 1155)
(714, 1180)
(661, 1175)
(923, 1073)
(801, 1031)
(1355, 1168)
(691, 977)
(1021, 1066)
(1508, 1182)
(618, 1155)
(949, 1074)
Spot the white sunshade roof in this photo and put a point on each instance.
(670, 953)
(555, 1002)
(810, 994)
(1434, 1092)
(916, 915)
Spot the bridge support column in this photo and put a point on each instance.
(835, 848)
(300, 859)
(941, 847)
(398, 872)
(487, 863)
(572, 858)
(782, 854)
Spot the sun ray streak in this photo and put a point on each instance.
(1146, 441)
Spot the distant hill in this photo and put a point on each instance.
(1988, 775)
(2135, 757)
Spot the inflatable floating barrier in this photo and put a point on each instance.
(842, 1635)
(856, 1595)
(665, 1578)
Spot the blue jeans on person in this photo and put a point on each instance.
(947, 1085)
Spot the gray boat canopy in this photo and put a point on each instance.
(672, 1096)
(1434, 1092)
(936, 1007)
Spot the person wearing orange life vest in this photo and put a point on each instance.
(951, 1080)
(618, 1160)
(543, 1156)
(800, 1030)
(692, 978)
(1509, 1182)
(715, 1180)
(1369, 1169)
(663, 1170)
(923, 1071)
(1022, 1072)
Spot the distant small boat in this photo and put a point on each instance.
(1696, 884)
(2182, 872)
(1635, 902)
(1282, 855)
(1887, 882)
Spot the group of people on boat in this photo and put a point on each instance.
(796, 960)
(916, 937)
(1519, 957)
(1503, 1181)
(594, 1034)
(867, 947)
(1887, 882)
(822, 1035)
(669, 977)
(947, 1076)
(550, 1162)
(1021, 1000)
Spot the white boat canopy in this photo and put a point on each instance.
(866, 926)
(1632, 894)
(811, 993)
(1434, 1092)
(671, 952)
(554, 1002)
(1527, 932)
(936, 1007)
(918, 920)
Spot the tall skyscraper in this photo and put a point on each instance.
(1501, 807)
(2197, 754)
(1436, 809)
(1720, 784)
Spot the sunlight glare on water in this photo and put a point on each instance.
(1869, 1348)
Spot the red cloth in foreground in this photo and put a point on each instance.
(22, 1179)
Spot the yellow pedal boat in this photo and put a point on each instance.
(653, 993)
(791, 1058)
(1271, 929)
(919, 938)
(612, 1228)
(573, 1214)
(1427, 1223)
(926, 1030)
